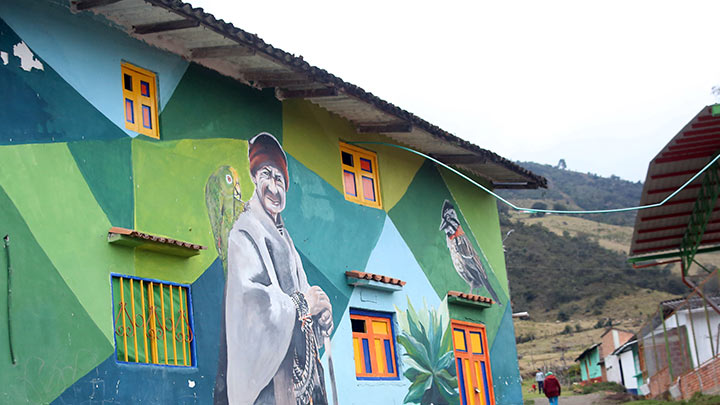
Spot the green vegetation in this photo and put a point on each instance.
(428, 355)
(573, 275)
(576, 190)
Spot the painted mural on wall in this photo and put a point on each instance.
(275, 322)
(277, 313)
(429, 357)
(463, 254)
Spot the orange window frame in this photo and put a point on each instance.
(366, 183)
(140, 100)
(472, 363)
(374, 348)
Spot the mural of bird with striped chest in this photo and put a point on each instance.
(463, 254)
(224, 204)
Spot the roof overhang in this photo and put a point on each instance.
(201, 38)
(659, 231)
(586, 351)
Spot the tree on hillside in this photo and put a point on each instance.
(561, 164)
(538, 206)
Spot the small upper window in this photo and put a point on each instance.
(140, 100)
(373, 345)
(152, 322)
(360, 176)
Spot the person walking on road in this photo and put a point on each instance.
(552, 388)
(539, 378)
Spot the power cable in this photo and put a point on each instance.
(515, 207)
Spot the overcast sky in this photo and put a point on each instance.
(603, 85)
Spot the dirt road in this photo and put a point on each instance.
(597, 398)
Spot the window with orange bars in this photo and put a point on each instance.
(473, 363)
(153, 321)
(360, 176)
(373, 345)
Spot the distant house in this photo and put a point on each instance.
(628, 362)
(674, 347)
(612, 339)
(590, 369)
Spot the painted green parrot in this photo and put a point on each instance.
(224, 204)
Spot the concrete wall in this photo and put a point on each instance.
(70, 170)
(589, 362)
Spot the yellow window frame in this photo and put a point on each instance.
(138, 100)
(359, 173)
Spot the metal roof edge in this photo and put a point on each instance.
(298, 64)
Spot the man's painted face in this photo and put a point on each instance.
(270, 188)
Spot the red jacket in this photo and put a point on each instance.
(551, 386)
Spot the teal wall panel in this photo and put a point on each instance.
(318, 217)
(505, 370)
(39, 106)
(209, 105)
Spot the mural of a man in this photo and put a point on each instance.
(274, 320)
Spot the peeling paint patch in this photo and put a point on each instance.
(4, 57)
(27, 58)
(191, 383)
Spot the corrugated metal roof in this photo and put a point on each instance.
(201, 38)
(661, 229)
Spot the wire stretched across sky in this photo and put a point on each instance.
(515, 207)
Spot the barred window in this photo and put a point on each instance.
(153, 321)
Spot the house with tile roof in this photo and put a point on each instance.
(191, 215)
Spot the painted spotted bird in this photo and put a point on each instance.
(224, 204)
(463, 254)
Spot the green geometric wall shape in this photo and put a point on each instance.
(334, 234)
(206, 104)
(424, 199)
(169, 193)
(310, 131)
(479, 209)
(49, 190)
(107, 168)
(55, 341)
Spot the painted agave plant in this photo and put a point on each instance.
(428, 356)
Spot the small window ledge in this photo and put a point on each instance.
(375, 281)
(470, 300)
(145, 241)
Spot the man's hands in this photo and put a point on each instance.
(320, 308)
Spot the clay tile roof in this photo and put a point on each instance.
(374, 277)
(471, 297)
(155, 238)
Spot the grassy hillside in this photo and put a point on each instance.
(571, 272)
(569, 275)
(573, 190)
